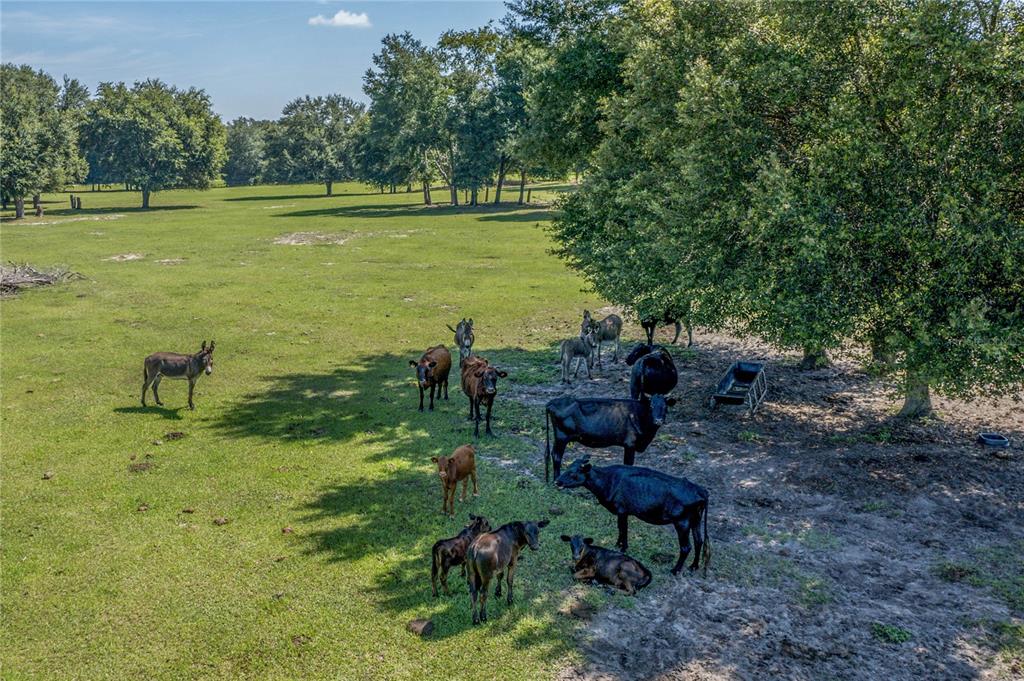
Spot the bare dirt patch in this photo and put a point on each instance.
(845, 544)
(89, 218)
(312, 239)
(125, 257)
(171, 261)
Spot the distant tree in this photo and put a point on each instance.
(246, 142)
(313, 140)
(154, 137)
(38, 134)
(407, 109)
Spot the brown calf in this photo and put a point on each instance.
(480, 383)
(432, 372)
(448, 553)
(461, 465)
(161, 365)
(497, 553)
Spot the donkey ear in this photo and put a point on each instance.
(212, 343)
(470, 322)
(203, 346)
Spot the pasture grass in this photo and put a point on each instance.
(305, 438)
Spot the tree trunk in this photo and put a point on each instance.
(455, 194)
(487, 193)
(39, 210)
(426, 193)
(522, 185)
(814, 358)
(145, 198)
(501, 181)
(72, 202)
(917, 401)
(3, 202)
(408, 188)
(19, 207)
(472, 197)
(330, 187)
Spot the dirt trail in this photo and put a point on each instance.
(837, 533)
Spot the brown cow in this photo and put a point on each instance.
(432, 372)
(497, 553)
(606, 566)
(461, 465)
(480, 383)
(448, 553)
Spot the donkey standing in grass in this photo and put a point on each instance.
(580, 349)
(608, 329)
(173, 365)
(463, 339)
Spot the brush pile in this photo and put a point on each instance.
(14, 277)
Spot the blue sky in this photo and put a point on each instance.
(251, 57)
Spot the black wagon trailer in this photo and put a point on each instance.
(744, 384)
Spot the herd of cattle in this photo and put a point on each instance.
(487, 554)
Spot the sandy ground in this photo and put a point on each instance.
(829, 521)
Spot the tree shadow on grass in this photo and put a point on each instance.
(172, 414)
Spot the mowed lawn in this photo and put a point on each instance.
(308, 422)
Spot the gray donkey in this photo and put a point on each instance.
(608, 329)
(173, 365)
(579, 349)
(463, 338)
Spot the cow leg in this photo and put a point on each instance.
(483, 600)
(698, 540)
(476, 418)
(489, 406)
(465, 488)
(191, 389)
(444, 578)
(446, 390)
(476, 491)
(432, 387)
(649, 330)
(679, 330)
(628, 455)
(683, 530)
(615, 359)
(557, 453)
(689, 333)
(508, 580)
(623, 542)
(497, 590)
(473, 596)
(470, 418)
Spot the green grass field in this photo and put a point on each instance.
(308, 422)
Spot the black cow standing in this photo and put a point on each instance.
(602, 422)
(654, 372)
(653, 497)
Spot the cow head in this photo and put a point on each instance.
(424, 372)
(442, 467)
(575, 475)
(659, 408)
(531, 532)
(489, 379)
(478, 525)
(578, 544)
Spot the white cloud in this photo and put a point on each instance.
(342, 19)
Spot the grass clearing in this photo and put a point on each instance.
(308, 423)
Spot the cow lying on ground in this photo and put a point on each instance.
(654, 372)
(432, 372)
(602, 422)
(461, 465)
(652, 496)
(606, 566)
(463, 338)
(448, 553)
(495, 553)
(480, 383)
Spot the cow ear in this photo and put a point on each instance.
(412, 363)
(671, 401)
(434, 459)
(473, 517)
(432, 365)
(566, 537)
(586, 468)
(543, 523)
(589, 541)
(503, 374)
(479, 374)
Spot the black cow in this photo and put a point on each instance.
(654, 372)
(602, 422)
(650, 324)
(653, 497)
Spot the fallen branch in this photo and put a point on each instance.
(14, 277)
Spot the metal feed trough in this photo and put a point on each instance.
(743, 384)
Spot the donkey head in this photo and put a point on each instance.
(206, 357)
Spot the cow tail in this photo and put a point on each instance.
(450, 328)
(707, 542)
(547, 444)
(433, 567)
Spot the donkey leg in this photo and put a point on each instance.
(145, 387)
(191, 389)
(156, 384)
